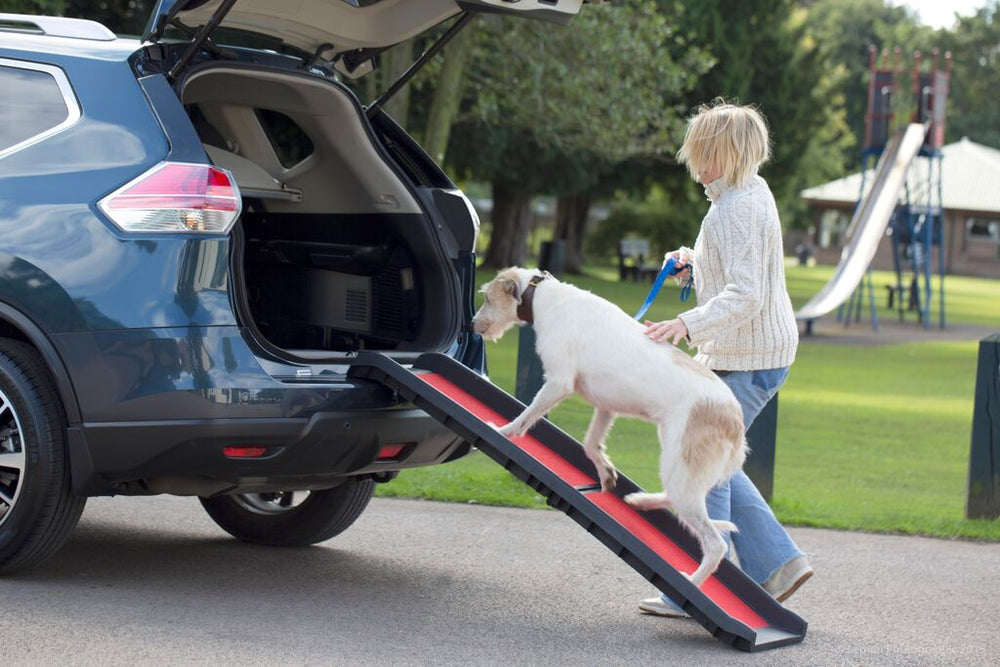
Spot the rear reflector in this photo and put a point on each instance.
(244, 452)
(176, 197)
(390, 452)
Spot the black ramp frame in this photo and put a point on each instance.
(450, 393)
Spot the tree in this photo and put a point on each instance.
(767, 57)
(393, 63)
(975, 77)
(49, 7)
(764, 55)
(447, 94)
(843, 30)
(124, 17)
(550, 110)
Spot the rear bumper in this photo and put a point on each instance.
(159, 405)
(187, 457)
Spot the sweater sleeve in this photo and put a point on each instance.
(736, 239)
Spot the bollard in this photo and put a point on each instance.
(529, 367)
(761, 437)
(983, 490)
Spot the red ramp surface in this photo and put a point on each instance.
(729, 605)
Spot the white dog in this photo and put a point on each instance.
(590, 346)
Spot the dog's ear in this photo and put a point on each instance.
(511, 287)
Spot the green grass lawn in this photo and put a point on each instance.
(871, 438)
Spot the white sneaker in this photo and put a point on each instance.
(658, 607)
(787, 579)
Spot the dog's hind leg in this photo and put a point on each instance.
(713, 548)
(548, 397)
(668, 435)
(593, 447)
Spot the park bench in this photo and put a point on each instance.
(633, 260)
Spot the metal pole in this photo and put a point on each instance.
(200, 38)
(405, 77)
(983, 489)
(941, 230)
(871, 300)
(897, 264)
(761, 436)
(530, 375)
(928, 242)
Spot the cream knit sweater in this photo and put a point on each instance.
(744, 318)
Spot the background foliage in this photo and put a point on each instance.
(588, 116)
(870, 437)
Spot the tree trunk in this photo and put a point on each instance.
(511, 219)
(571, 224)
(447, 95)
(394, 63)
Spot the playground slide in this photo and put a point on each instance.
(869, 222)
(729, 605)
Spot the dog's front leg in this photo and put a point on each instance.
(551, 393)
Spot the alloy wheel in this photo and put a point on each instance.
(12, 457)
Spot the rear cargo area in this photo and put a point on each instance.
(333, 252)
(318, 282)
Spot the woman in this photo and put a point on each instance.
(744, 326)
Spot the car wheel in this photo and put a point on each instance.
(290, 518)
(37, 508)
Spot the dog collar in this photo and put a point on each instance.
(524, 310)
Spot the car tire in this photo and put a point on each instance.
(38, 510)
(271, 518)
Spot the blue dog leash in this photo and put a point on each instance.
(671, 268)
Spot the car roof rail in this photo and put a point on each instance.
(55, 26)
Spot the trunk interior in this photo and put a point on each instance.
(334, 254)
(347, 284)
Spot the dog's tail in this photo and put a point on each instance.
(725, 526)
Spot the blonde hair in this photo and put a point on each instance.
(731, 136)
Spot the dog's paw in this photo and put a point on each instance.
(609, 479)
(647, 501)
(510, 431)
(640, 501)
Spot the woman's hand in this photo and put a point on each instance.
(682, 259)
(666, 330)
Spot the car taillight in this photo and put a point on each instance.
(244, 452)
(176, 197)
(390, 452)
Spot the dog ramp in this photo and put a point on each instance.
(729, 605)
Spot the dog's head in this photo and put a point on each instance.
(501, 296)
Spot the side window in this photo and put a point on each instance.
(290, 142)
(35, 100)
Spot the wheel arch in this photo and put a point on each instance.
(17, 325)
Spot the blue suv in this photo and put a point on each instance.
(199, 230)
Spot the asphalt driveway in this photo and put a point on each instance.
(152, 580)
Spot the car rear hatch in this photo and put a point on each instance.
(330, 257)
(344, 32)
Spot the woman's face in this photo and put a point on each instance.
(708, 173)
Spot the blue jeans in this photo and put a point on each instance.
(762, 544)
